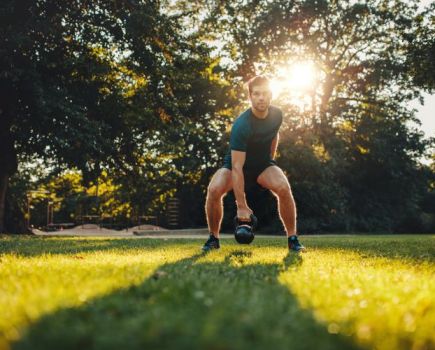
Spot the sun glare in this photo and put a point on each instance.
(295, 79)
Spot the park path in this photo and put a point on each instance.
(134, 232)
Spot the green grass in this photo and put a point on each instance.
(348, 292)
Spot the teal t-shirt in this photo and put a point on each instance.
(254, 136)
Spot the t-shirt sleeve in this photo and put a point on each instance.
(239, 137)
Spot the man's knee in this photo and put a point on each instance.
(215, 191)
(220, 184)
(282, 189)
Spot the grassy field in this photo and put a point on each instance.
(349, 292)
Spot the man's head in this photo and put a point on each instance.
(260, 93)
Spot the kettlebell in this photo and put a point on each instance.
(244, 230)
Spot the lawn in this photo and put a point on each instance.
(345, 292)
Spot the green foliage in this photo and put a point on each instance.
(322, 203)
(144, 93)
(351, 156)
(110, 86)
(421, 53)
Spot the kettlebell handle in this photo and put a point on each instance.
(253, 222)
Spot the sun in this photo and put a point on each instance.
(295, 79)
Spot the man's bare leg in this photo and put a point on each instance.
(274, 179)
(219, 185)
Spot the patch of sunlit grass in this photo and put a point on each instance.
(382, 299)
(343, 293)
(39, 284)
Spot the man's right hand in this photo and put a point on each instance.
(244, 214)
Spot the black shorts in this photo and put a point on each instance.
(252, 174)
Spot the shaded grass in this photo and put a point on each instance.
(345, 292)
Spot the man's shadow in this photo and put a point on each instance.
(200, 302)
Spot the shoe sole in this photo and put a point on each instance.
(297, 250)
(209, 249)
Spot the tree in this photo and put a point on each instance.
(421, 53)
(54, 79)
(358, 117)
(101, 85)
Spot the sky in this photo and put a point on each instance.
(426, 114)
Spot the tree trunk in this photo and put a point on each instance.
(8, 165)
(3, 187)
(324, 104)
(8, 154)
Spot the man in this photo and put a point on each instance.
(250, 160)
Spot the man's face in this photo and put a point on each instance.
(260, 97)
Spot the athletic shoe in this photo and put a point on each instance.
(294, 245)
(212, 243)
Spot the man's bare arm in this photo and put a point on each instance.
(274, 146)
(238, 160)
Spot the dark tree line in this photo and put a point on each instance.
(144, 92)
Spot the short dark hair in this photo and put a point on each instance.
(256, 81)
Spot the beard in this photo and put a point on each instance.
(261, 107)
